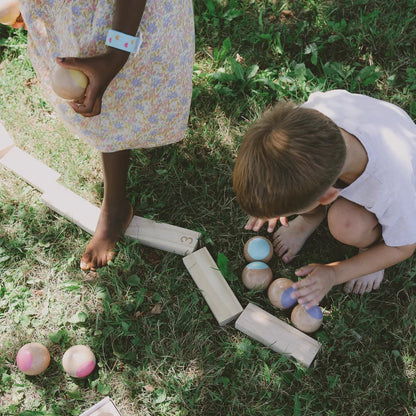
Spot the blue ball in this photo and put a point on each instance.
(258, 249)
(315, 312)
(286, 300)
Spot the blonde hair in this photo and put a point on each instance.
(287, 160)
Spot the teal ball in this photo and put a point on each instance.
(258, 249)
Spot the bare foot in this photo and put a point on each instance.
(364, 284)
(111, 226)
(288, 241)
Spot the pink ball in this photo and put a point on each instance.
(33, 359)
(78, 361)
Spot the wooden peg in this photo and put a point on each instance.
(214, 288)
(277, 335)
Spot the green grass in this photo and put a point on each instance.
(159, 349)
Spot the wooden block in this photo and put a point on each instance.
(6, 141)
(151, 233)
(277, 335)
(34, 172)
(163, 236)
(71, 206)
(105, 407)
(214, 288)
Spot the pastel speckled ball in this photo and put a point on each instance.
(33, 359)
(69, 84)
(258, 249)
(9, 11)
(307, 320)
(79, 361)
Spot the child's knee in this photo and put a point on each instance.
(352, 224)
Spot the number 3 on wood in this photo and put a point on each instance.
(185, 239)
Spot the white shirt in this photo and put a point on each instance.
(387, 187)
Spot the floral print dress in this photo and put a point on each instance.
(147, 103)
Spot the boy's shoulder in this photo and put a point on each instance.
(341, 99)
(348, 110)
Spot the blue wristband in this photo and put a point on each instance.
(124, 42)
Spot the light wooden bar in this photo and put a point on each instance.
(6, 141)
(148, 232)
(277, 335)
(163, 236)
(214, 288)
(81, 212)
(34, 172)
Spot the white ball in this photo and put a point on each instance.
(69, 84)
(79, 361)
(33, 359)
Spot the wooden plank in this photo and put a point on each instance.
(6, 141)
(151, 233)
(34, 172)
(105, 407)
(163, 236)
(277, 335)
(71, 206)
(214, 288)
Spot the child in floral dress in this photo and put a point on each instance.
(133, 100)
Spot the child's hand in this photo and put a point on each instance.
(100, 70)
(318, 282)
(255, 224)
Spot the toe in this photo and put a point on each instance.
(376, 285)
(85, 263)
(287, 258)
(110, 256)
(369, 287)
(88, 263)
(357, 288)
(363, 288)
(378, 280)
(348, 287)
(281, 250)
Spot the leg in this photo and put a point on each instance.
(288, 241)
(352, 224)
(116, 212)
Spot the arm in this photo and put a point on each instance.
(101, 69)
(320, 278)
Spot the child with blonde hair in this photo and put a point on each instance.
(346, 155)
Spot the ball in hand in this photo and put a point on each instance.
(307, 320)
(33, 358)
(258, 249)
(79, 361)
(257, 275)
(69, 84)
(279, 293)
(9, 11)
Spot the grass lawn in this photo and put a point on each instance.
(159, 349)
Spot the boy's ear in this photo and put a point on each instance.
(329, 196)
